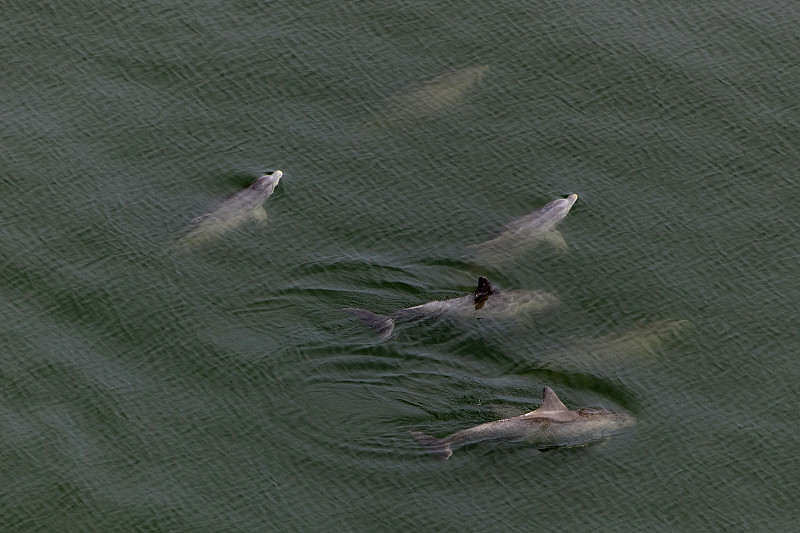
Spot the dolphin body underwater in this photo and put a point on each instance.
(434, 96)
(484, 302)
(244, 206)
(526, 231)
(551, 425)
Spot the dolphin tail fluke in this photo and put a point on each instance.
(382, 324)
(437, 447)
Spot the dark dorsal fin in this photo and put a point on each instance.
(484, 287)
(552, 408)
(482, 292)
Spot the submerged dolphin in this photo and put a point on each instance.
(244, 206)
(551, 425)
(643, 341)
(485, 301)
(525, 231)
(435, 95)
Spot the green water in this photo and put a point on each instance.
(146, 387)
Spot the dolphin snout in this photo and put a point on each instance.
(571, 199)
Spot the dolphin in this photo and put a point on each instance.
(643, 341)
(434, 96)
(551, 425)
(485, 301)
(526, 231)
(244, 206)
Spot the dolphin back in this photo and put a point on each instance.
(382, 324)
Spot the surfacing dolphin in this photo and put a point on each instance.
(551, 425)
(526, 231)
(244, 206)
(484, 302)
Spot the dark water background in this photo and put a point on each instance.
(223, 389)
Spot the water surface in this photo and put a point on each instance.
(223, 388)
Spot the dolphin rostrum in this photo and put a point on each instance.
(485, 301)
(551, 425)
(523, 232)
(244, 206)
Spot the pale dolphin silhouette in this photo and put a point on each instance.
(524, 232)
(244, 206)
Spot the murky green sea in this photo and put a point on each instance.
(149, 386)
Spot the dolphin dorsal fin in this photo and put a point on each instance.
(482, 292)
(552, 408)
(550, 401)
(484, 287)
